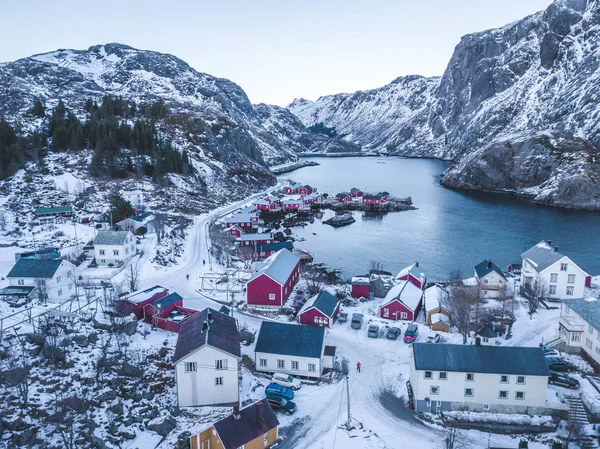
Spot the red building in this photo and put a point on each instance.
(255, 239)
(292, 205)
(244, 221)
(385, 195)
(136, 301)
(273, 283)
(167, 303)
(171, 318)
(292, 189)
(403, 302)
(320, 310)
(261, 252)
(343, 197)
(361, 287)
(373, 200)
(356, 192)
(413, 274)
(235, 231)
(305, 190)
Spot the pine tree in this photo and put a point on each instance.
(38, 109)
(120, 208)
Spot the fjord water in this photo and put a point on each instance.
(450, 229)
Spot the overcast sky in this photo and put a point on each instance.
(276, 50)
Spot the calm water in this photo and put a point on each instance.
(450, 230)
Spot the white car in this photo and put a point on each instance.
(435, 338)
(285, 380)
(551, 353)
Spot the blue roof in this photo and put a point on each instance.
(166, 300)
(34, 268)
(275, 246)
(486, 267)
(290, 339)
(141, 217)
(324, 302)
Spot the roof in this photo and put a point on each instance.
(344, 194)
(53, 210)
(324, 302)
(480, 359)
(166, 300)
(275, 246)
(440, 318)
(487, 332)
(290, 339)
(255, 420)
(295, 185)
(16, 290)
(143, 295)
(34, 268)
(435, 296)
(253, 237)
(384, 193)
(278, 266)
(516, 265)
(588, 309)
(486, 267)
(542, 255)
(354, 189)
(330, 351)
(298, 202)
(222, 334)
(262, 203)
(372, 197)
(225, 310)
(415, 271)
(241, 218)
(406, 292)
(360, 280)
(143, 217)
(111, 237)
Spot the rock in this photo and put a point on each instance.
(163, 425)
(101, 326)
(36, 339)
(148, 395)
(130, 328)
(18, 424)
(137, 397)
(93, 338)
(106, 396)
(13, 377)
(53, 353)
(96, 442)
(162, 352)
(340, 220)
(117, 408)
(25, 438)
(65, 342)
(129, 370)
(81, 340)
(247, 337)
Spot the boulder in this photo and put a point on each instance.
(53, 353)
(117, 408)
(130, 328)
(81, 340)
(129, 370)
(162, 425)
(35, 339)
(108, 395)
(93, 338)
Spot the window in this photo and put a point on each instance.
(503, 394)
(504, 379)
(485, 281)
(591, 330)
(443, 375)
(470, 377)
(70, 287)
(576, 336)
(570, 291)
(404, 315)
(485, 292)
(469, 392)
(102, 252)
(563, 267)
(486, 406)
(588, 343)
(554, 277)
(190, 367)
(386, 313)
(598, 349)
(221, 364)
(115, 252)
(521, 380)
(571, 279)
(21, 282)
(281, 364)
(272, 296)
(102, 260)
(295, 365)
(266, 440)
(552, 290)
(520, 395)
(485, 339)
(428, 375)
(312, 367)
(218, 381)
(59, 292)
(434, 390)
(57, 279)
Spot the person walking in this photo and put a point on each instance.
(187, 276)
(358, 365)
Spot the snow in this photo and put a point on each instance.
(144, 440)
(69, 183)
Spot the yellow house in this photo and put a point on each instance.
(253, 427)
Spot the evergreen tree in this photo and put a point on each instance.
(38, 109)
(120, 208)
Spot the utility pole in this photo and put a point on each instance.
(348, 394)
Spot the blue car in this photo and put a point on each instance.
(275, 391)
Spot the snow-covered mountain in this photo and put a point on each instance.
(503, 88)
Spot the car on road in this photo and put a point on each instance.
(276, 391)
(555, 364)
(393, 333)
(287, 381)
(357, 319)
(435, 338)
(373, 331)
(412, 331)
(563, 380)
(287, 407)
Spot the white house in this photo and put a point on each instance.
(207, 360)
(501, 379)
(294, 349)
(44, 279)
(114, 247)
(135, 197)
(491, 280)
(579, 326)
(563, 277)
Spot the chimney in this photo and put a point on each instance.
(489, 264)
(549, 242)
(259, 413)
(417, 263)
(204, 327)
(210, 318)
(556, 249)
(236, 411)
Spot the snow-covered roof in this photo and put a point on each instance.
(406, 292)
(143, 295)
(278, 266)
(360, 280)
(435, 296)
(295, 185)
(542, 255)
(440, 318)
(111, 237)
(298, 202)
(248, 209)
(413, 270)
(262, 203)
(324, 301)
(254, 237)
(241, 218)
(588, 309)
(310, 196)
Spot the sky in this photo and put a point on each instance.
(276, 50)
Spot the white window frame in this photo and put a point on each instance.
(504, 381)
(521, 380)
(262, 362)
(571, 279)
(553, 277)
(522, 393)
(312, 367)
(469, 395)
(190, 367)
(570, 290)
(115, 252)
(443, 375)
(102, 252)
(221, 364)
(272, 296)
(503, 394)
(552, 290)
(404, 315)
(280, 364)
(564, 266)
(21, 282)
(434, 390)
(295, 365)
(472, 375)
(219, 381)
(428, 375)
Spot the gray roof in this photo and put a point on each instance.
(254, 421)
(290, 339)
(34, 268)
(111, 237)
(480, 359)
(588, 309)
(278, 266)
(542, 255)
(486, 267)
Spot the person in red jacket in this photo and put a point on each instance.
(358, 366)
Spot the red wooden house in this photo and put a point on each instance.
(414, 274)
(373, 200)
(166, 302)
(403, 302)
(385, 195)
(343, 197)
(136, 301)
(172, 318)
(292, 205)
(356, 192)
(320, 310)
(273, 283)
(305, 190)
(261, 252)
(255, 239)
(292, 189)
(235, 231)
(244, 221)
(361, 287)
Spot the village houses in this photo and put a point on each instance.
(45, 279)
(491, 280)
(579, 327)
(320, 310)
(274, 281)
(114, 248)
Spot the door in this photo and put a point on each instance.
(434, 407)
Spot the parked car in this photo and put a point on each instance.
(551, 353)
(435, 338)
(357, 319)
(288, 407)
(276, 391)
(285, 380)
(555, 364)
(412, 331)
(563, 380)
(373, 331)
(393, 333)
(343, 317)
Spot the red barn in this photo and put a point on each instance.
(343, 197)
(136, 301)
(273, 283)
(373, 200)
(413, 274)
(320, 310)
(235, 231)
(305, 190)
(403, 302)
(361, 287)
(172, 319)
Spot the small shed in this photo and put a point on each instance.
(136, 301)
(439, 322)
(361, 287)
(487, 336)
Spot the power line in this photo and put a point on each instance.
(338, 418)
